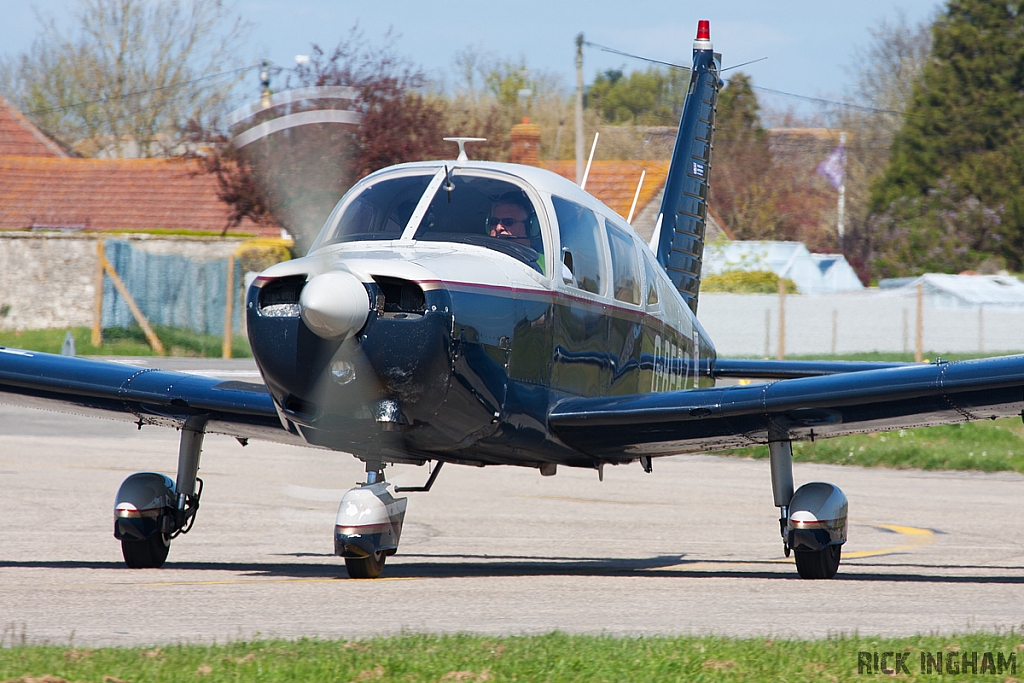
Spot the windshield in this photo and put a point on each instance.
(486, 212)
(379, 211)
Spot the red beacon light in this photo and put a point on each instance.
(703, 41)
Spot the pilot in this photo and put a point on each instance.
(510, 220)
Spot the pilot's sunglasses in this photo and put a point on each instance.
(505, 222)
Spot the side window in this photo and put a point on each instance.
(379, 212)
(651, 276)
(625, 269)
(581, 251)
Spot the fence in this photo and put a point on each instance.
(172, 289)
(748, 324)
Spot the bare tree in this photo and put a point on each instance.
(129, 75)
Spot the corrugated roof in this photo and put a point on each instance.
(960, 291)
(614, 182)
(18, 136)
(110, 194)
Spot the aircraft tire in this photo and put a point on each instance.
(369, 567)
(148, 554)
(821, 564)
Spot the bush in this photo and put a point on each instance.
(746, 282)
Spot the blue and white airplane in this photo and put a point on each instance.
(484, 313)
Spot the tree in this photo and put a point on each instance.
(959, 153)
(651, 97)
(130, 75)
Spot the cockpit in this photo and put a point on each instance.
(464, 206)
(544, 222)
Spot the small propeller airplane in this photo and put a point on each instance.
(483, 313)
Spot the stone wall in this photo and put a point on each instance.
(47, 280)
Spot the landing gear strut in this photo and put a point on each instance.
(150, 509)
(369, 525)
(812, 519)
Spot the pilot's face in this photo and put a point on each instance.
(508, 221)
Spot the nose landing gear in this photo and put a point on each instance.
(369, 525)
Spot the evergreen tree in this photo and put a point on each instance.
(952, 193)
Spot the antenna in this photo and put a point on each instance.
(462, 145)
(586, 173)
(636, 196)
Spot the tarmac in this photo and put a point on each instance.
(692, 548)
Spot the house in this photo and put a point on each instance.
(614, 183)
(42, 187)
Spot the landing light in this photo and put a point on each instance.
(342, 372)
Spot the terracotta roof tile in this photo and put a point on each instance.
(19, 137)
(110, 194)
(614, 182)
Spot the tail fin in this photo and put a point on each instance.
(678, 238)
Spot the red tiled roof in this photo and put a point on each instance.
(111, 194)
(19, 137)
(614, 182)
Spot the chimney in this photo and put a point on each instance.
(526, 143)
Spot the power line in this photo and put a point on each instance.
(140, 92)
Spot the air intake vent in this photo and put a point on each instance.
(401, 296)
(280, 298)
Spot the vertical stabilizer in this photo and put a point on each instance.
(678, 238)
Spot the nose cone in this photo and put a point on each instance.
(334, 305)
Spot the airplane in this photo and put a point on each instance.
(481, 313)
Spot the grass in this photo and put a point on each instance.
(551, 658)
(990, 446)
(128, 341)
(897, 357)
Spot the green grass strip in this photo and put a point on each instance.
(550, 658)
(128, 341)
(990, 446)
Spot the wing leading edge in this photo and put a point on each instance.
(141, 395)
(802, 408)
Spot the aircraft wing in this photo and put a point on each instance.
(790, 369)
(144, 396)
(803, 408)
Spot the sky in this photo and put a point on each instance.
(809, 44)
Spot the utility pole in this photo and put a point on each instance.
(579, 109)
(842, 190)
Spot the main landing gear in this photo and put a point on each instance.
(369, 524)
(812, 519)
(150, 509)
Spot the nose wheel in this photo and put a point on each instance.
(369, 525)
(369, 567)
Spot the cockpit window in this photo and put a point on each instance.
(379, 212)
(486, 212)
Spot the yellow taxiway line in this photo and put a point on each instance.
(916, 538)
